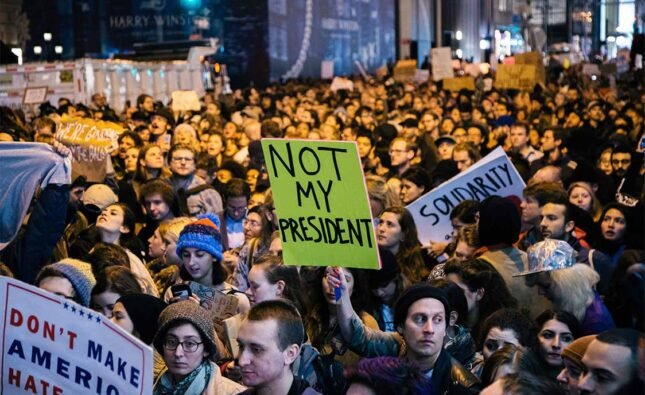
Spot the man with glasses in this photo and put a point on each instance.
(195, 195)
(401, 155)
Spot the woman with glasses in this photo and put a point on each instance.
(187, 341)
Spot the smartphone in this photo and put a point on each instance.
(181, 291)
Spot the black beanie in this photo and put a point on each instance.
(499, 221)
(414, 293)
(144, 311)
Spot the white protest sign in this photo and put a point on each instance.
(339, 83)
(442, 63)
(492, 175)
(185, 101)
(53, 346)
(34, 95)
(327, 69)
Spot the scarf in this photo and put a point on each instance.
(193, 384)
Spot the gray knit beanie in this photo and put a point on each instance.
(187, 312)
(77, 272)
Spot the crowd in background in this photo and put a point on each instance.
(542, 295)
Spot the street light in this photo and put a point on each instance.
(58, 49)
(458, 35)
(47, 36)
(38, 49)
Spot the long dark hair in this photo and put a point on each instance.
(409, 256)
(476, 274)
(317, 322)
(275, 270)
(129, 240)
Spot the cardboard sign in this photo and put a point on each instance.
(441, 63)
(457, 84)
(185, 101)
(590, 69)
(422, 76)
(91, 143)
(492, 175)
(516, 76)
(405, 70)
(34, 95)
(473, 69)
(533, 58)
(321, 202)
(219, 304)
(51, 345)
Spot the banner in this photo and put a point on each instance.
(185, 101)
(321, 203)
(441, 60)
(516, 76)
(492, 175)
(405, 70)
(53, 346)
(91, 143)
(457, 84)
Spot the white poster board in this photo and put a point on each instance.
(441, 63)
(492, 175)
(51, 345)
(34, 95)
(327, 69)
(185, 101)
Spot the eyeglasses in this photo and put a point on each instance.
(171, 344)
(251, 223)
(182, 159)
(398, 151)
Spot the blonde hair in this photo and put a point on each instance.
(596, 207)
(574, 288)
(378, 190)
(170, 229)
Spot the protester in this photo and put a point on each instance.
(568, 285)
(189, 346)
(574, 144)
(276, 328)
(137, 314)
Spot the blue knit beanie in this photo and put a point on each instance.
(202, 234)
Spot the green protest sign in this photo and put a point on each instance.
(321, 202)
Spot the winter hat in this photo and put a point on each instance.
(499, 221)
(78, 273)
(99, 195)
(504, 120)
(202, 234)
(144, 311)
(414, 293)
(165, 112)
(187, 311)
(576, 350)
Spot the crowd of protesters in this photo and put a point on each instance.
(538, 296)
